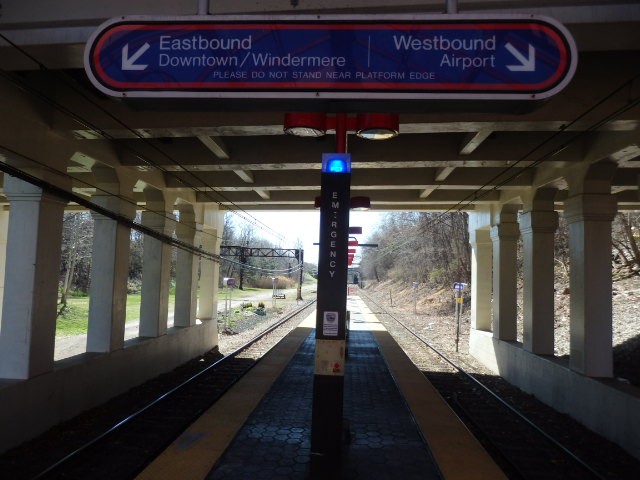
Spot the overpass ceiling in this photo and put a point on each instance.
(237, 154)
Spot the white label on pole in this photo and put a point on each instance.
(330, 324)
(330, 357)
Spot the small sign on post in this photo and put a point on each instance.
(458, 288)
(228, 283)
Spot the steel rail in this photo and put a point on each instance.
(503, 402)
(170, 392)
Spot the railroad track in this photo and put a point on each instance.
(127, 447)
(519, 446)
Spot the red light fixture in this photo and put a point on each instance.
(377, 126)
(305, 124)
(372, 126)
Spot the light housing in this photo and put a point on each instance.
(336, 163)
(305, 124)
(360, 203)
(377, 126)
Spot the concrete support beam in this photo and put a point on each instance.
(537, 226)
(264, 194)
(186, 269)
(156, 259)
(589, 217)
(216, 145)
(427, 191)
(504, 236)
(245, 175)
(481, 263)
(27, 338)
(473, 141)
(443, 172)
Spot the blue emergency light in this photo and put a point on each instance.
(336, 163)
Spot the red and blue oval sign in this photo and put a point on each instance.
(450, 57)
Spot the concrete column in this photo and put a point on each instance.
(156, 263)
(481, 264)
(109, 276)
(212, 225)
(504, 236)
(537, 227)
(4, 228)
(27, 339)
(209, 272)
(186, 270)
(589, 217)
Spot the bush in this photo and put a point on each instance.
(283, 282)
(134, 287)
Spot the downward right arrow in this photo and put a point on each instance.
(526, 64)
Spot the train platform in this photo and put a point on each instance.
(399, 426)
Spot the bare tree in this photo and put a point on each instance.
(625, 242)
(426, 247)
(77, 239)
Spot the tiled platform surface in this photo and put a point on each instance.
(386, 443)
(261, 427)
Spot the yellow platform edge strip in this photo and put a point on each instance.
(193, 454)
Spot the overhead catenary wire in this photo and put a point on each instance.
(484, 190)
(70, 196)
(67, 175)
(477, 194)
(246, 217)
(92, 206)
(484, 387)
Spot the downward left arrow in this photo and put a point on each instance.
(129, 62)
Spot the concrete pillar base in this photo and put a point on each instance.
(27, 338)
(537, 229)
(589, 217)
(505, 309)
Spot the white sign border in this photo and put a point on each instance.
(316, 95)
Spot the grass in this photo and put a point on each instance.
(75, 320)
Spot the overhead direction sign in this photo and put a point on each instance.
(455, 57)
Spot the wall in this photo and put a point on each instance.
(608, 407)
(79, 383)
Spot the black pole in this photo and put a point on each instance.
(328, 380)
(300, 257)
(243, 262)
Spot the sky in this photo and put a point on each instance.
(306, 227)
